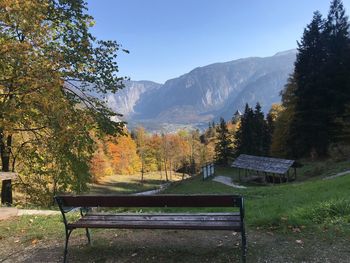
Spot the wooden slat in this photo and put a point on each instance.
(194, 225)
(153, 201)
(165, 217)
(165, 214)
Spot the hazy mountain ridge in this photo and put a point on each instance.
(125, 100)
(208, 92)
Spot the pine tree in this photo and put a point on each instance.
(261, 136)
(322, 80)
(224, 144)
(253, 135)
(308, 131)
(244, 134)
(337, 45)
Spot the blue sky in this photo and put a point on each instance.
(167, 38)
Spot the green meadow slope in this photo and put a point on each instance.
(302, 203)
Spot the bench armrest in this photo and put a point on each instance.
(66, 209)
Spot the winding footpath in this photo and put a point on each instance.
(7, 212)
(337, 175)
(227, 181)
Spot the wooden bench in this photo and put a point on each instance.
(192, 221)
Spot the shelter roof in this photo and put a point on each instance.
(263, 164)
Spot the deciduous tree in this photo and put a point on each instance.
(53, 74)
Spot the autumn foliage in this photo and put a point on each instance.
(139, 152)
(124, 158)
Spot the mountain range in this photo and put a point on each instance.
(204, 94)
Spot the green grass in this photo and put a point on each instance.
(312, 210)
(127, 184)
(27, 228)
(315, 170)
(320, 202)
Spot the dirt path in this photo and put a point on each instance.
(7, 212)
(155, 191)
(162, 246)
(227, 181)
(337, 175)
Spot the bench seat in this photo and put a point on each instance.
(198, 221)
(228, 220)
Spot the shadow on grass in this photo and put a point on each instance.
(132, 186)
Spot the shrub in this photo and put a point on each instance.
(334, 211)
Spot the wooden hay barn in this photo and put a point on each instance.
(273, 170)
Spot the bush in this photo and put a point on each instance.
(335, 211)
(339, 152)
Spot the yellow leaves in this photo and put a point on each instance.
(123, 155)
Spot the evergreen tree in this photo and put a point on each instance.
(322, 80)
(244, 134)
(308, 131)
(224, 144)
(253, 135)
(261, 134)
(337, 45)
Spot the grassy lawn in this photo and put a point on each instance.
(127, 184)
(301, 203)
(304, 221)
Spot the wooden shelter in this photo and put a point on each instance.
(272, 169)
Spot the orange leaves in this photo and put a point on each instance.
(124, 158)
(100, 165)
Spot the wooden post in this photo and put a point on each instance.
(6, 191)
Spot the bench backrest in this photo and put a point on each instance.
(150, 201)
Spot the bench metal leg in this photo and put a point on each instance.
(244, 246)
(68, 232)
(88, 236)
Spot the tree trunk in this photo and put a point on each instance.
(166, 172)
(183, 170)
(170, 167)
(142, 170)
(6, 189)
